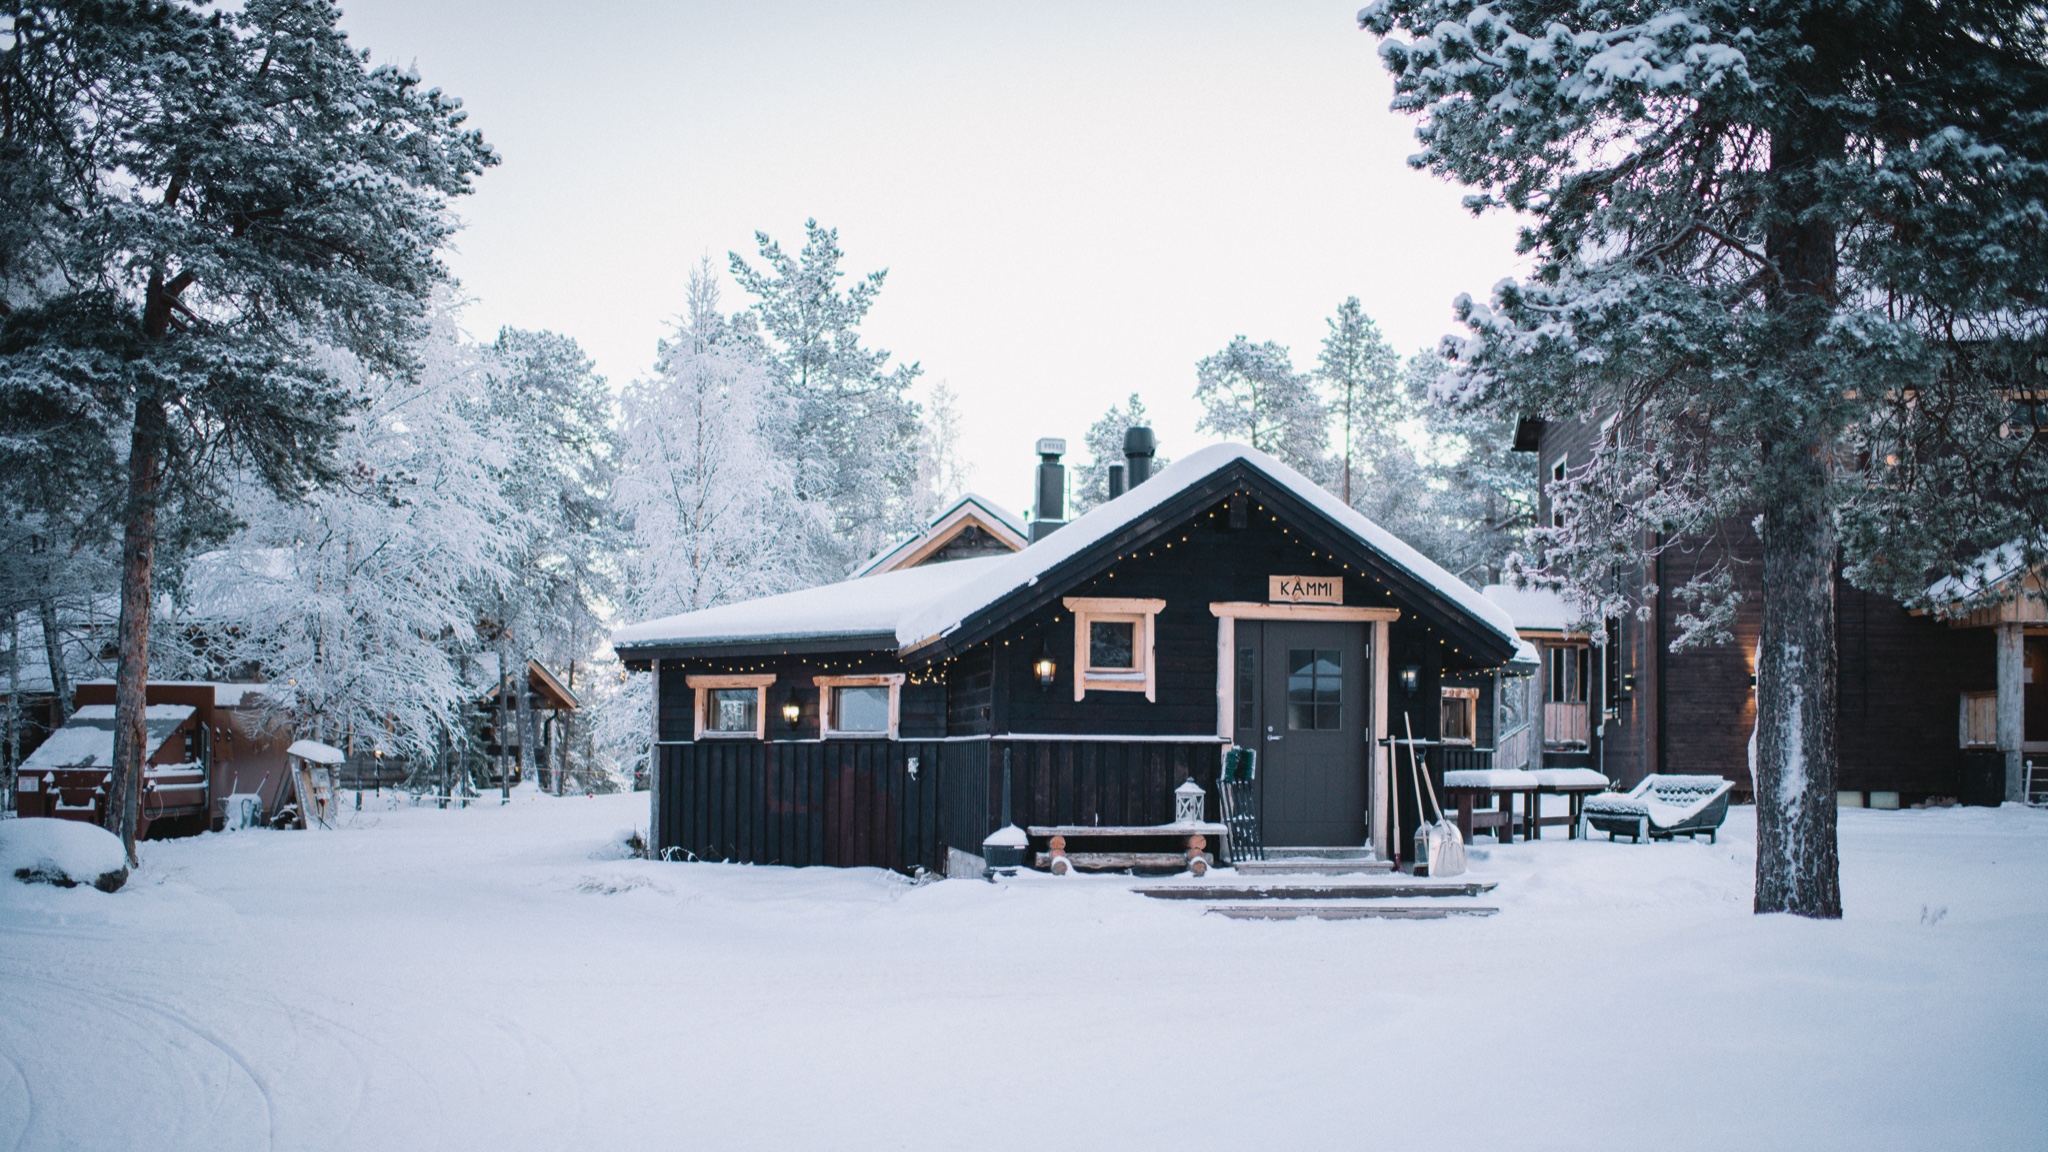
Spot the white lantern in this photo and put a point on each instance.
(1187, 802)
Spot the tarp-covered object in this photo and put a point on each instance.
(87, 739)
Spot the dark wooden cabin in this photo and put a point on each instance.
(1226, 601)
(1632, 707)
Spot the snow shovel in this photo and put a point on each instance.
(1439, 849)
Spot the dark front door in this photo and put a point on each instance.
(1302, 702)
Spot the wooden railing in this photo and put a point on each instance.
(1566, 724)
(1979, 720)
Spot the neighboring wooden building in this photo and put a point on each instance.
(972, 526)
(1226, 601)
(1633, 707)
(206, 742)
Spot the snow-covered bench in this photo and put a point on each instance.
(1496, 788)
(1662, 807)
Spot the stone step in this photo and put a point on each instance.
(1311, 866)
(1310, 890)
(1350, 911)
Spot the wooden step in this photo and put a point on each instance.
(1311, 866)
(1350, 911)
(1362, 890)
(1283, 852)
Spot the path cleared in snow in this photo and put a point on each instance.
(501, 978)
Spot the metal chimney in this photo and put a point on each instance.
(1051, 512)
(1139, 445)
(1116, 481)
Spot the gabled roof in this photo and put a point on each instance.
(542, 681)
(970, 511)
(943, 607)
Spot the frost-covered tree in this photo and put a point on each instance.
(192, 198)
(1483, 492)
(1361, 373)
(710, 502)
(1775, 247)
(554, 415)
(941, 471)
(1105, 441)
(1251, 392)
(854, 439)
(356, 602)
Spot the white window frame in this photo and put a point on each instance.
(827, 718)
(1470, 697)
(701, 686)
(1143, 615)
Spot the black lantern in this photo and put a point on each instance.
(1411, 678)
(792, 711)
(1043, 667)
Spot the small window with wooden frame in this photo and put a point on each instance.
(731, 707)
(859, 706)
(1113, 644)
(1460, 716)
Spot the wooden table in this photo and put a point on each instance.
(1194, 856)
(1574, 783)
(1497, 787)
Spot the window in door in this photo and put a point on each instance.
(1315, 689)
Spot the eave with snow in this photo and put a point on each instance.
(871, 721)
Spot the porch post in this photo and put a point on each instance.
(1382, 840)
(654, 828)
(1539, 687)
(1226, 678)
(2012, 696)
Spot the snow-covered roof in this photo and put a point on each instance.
(315, 751)
(1984, 578)
(87, 739)
(1108, 518)
(867, 606)
(920, 604)
(1534, 609)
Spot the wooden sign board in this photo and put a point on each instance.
(1305, 589)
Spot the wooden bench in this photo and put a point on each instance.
(1193, 855)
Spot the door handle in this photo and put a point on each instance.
(1269, 733)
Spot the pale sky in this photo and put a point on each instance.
(1075, 201)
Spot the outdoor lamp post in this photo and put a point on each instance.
(1187, 802)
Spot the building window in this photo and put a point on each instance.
(1315, 689)
(731, 707)
(1113, 643)
(1460, 715)
(1247, 687)
(860, 705)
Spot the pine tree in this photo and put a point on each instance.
(854, 440)
(1252, 392)
(941, 471)
(1105, 441)
(1775, 246)
(1362, 374)
(191, 200)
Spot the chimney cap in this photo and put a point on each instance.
(1139, 441)
(1053, 446)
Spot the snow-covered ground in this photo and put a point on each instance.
(501, 978)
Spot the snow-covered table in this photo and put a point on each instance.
(1575, 784)
(1467, 788)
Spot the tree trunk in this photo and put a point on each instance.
(1796, 866)
(528, 767)
(7, 782)
(504, 729)
(1797, 869)
(53, 651)
(138, 578)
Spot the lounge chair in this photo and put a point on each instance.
(1662, 807)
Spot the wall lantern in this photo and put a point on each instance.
(1187, 802)
(1411, 678)
(1043, 667)
(791, 710)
